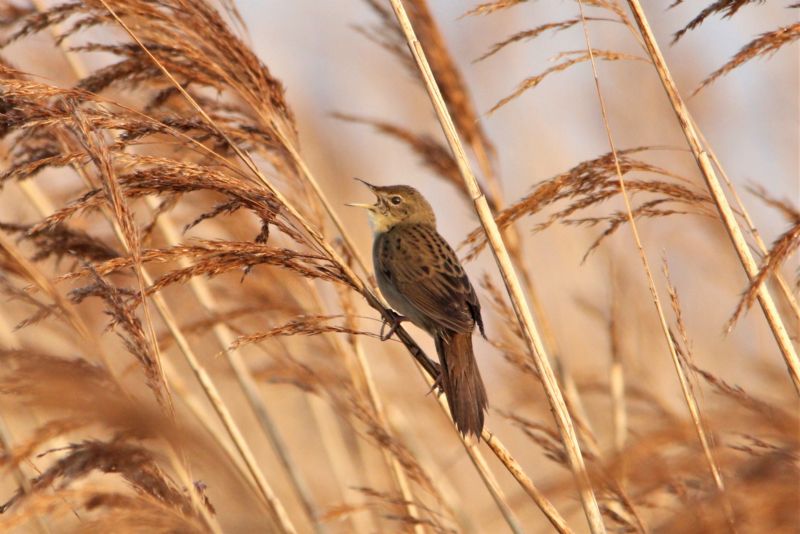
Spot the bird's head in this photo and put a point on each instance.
(396, 204)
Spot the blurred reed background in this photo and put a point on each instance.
(190, 151)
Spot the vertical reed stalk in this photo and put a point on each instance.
(617, 377)
(688, 394)
(532, 337)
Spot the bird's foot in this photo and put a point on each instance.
(393, 323)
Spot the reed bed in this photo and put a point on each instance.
(189, 334)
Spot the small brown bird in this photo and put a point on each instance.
(421, 277)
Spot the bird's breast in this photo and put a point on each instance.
(383, 259)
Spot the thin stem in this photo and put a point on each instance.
(688, 394)
(541, 501)
(617, 376)
(532, 337)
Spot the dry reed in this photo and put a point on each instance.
(160, 227)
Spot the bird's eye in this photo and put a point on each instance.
(396, 200)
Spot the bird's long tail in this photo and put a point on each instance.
(461, 381)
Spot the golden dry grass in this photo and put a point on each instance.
(189, 330)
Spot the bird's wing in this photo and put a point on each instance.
(426, 271)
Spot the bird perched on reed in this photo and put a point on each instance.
(421, 277)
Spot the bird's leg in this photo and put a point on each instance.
(394, 322)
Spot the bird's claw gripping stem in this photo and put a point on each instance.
(393, 323)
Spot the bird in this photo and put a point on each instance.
(421, 277)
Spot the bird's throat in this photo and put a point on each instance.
(379, 223)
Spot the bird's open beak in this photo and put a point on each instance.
(372, 188)
(365, 206)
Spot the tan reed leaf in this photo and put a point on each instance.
(212, 258)
(308, 325)
(60, 240)
(75, 393)
(573, 58)
(765, 487)
(619, 218)
(727, 8)
(120, 513)
(45, 433)
(125, 322)
(193, 41)
(136, 513)
(78, 395)
(784, 206)
(764, 45)
(10, 13)
(529, 35)
(24, 268)
(123, 218)
(592, 182)
(133, 462)
(769, 413)
(490, 7)
(782, 249)
(42, 310)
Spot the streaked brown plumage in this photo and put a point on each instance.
(421, 277)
